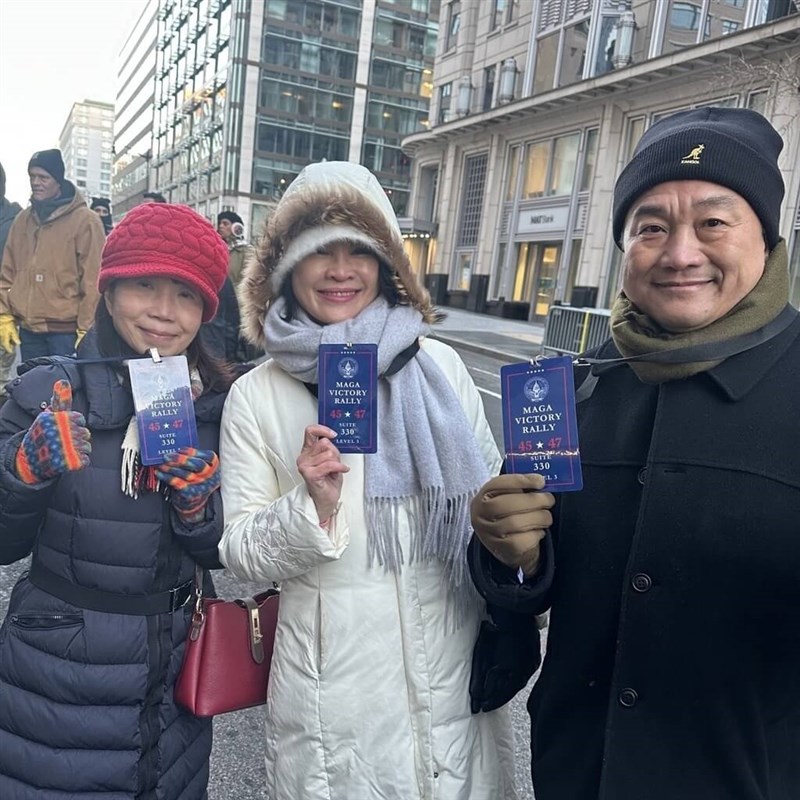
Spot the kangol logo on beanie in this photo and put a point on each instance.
(694, 155)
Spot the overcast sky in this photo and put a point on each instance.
(53, 53)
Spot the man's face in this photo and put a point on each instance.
(43, 185)
(101, 211)
(224, 229)
(693, 250)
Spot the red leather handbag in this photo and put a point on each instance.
(228, 653)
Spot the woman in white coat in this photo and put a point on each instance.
(368, 696)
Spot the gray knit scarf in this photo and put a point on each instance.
(428, 465)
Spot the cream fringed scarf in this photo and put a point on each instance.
(428, 465)
(634, 333)
(134, 476)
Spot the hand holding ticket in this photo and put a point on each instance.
(510, 516)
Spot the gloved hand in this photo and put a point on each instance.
(510, 516)
(193, 476)
(57, 441)
(504, 658)
(9, 334)
(79, 334)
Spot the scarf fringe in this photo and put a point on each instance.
(440, 530)
(134, 477)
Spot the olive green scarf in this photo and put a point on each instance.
(634, 333)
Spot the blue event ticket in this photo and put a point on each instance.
(540, 430)
(348, 395)
(162, 398)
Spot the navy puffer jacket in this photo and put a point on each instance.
(86, 706)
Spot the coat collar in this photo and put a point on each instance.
(736, 376)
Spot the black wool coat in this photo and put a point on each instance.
(672, 669)
(86, 706)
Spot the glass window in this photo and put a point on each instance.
(536, 161)
(453, 25)
(497, 13)
(565, 157)
(512, 179)
(757, 101)
(463, 270)
(545, 69)
(573, 55)
(472, 201)
(685, 16)
(488, 86)
(589, 159)
(523, 274)
(445, 98)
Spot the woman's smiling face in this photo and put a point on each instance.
(337, 282)
(155, 312)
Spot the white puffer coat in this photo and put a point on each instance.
(368, 696)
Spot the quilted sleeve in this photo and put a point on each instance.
(268, 535)
(22, 506)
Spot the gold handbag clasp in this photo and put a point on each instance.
(256, 637)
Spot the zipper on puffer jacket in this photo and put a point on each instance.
(46, 621)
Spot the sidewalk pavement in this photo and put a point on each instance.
(508, 339)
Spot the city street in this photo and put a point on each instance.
(237, 767)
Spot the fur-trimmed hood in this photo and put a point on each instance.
(326, 196)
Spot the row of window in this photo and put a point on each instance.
(574, 42)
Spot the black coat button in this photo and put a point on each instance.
(641, 475)
(641, 582)
(628, 698)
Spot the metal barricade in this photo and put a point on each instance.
(570, 331)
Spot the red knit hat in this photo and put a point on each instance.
(170, 240)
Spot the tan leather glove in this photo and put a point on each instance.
(510, 515)
(9, 335)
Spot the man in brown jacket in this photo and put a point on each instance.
(48, 279)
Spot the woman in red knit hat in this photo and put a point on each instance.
(93, 640)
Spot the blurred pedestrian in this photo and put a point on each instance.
(368, 694)
(231, 228)
(102, 207)
(94, 636)
(673, 653)
(8, 212)
(48, 279)
(153, 197)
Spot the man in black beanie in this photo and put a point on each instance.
(673, 578)
(48, 279)
(102, 207)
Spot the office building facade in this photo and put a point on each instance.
(537, 107)
(133, 125)
(247, 92)
(86, 143)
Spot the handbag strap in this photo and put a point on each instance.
(254, 633)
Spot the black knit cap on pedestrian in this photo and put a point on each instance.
(101, 201)
(50, 161)
(733, 147)
(231, 216)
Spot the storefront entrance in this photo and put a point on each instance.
(535, 276)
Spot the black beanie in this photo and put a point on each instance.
(101, 201)
(733, 147)
(50, 161)
(231, 216)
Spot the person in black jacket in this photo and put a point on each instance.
(94, 636)
(673, 578)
